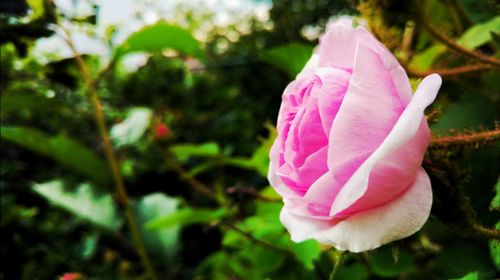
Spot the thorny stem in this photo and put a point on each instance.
(450, 43)
(488, 232)
(485, 137)
(450, 72)
(121, 192)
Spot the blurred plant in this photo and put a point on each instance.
(184, 140)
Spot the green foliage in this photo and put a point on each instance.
(162, 243)
(385, 265)
(132, 128)
(184, 151)
(290, 58)
(185, 216)
(82, 202)
(480, 34)
(218, 109)
(60, 148)
(470, 276)
(159, 37)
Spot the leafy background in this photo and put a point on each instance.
(189, 106)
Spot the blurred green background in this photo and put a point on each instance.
(190, 91)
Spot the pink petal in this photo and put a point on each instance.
(408, 131)
(369, 229)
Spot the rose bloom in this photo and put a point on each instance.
(351, 139)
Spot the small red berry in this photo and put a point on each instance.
(162, 131)
(71, 276)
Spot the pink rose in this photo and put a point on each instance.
(351, 139)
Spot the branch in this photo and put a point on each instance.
(450, 43)
(472, 139)
(450, 72)
(122, 196)
(251, 192)
(488, 232)
(193, 182)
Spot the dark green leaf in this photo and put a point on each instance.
(290, 58)
(60, 148)
(383, 263)
(17, 102)
(159, 37)
(355, 271)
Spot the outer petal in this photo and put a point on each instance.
(403, 132)
(370, 229)
(368, 112)
(337, 48)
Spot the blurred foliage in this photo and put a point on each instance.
(199, 114)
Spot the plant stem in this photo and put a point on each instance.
(450, 72)
(193, 182)
(450, 43)
(484, 137)
(122, 196)
(487, 232)
(336, 266)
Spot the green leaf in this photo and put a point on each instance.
(291, 57)
(260, 158)
(425, 59)
(480, 33)
(184, 151)
(306, 252)
(474, 37)
(355, 271)
(495, 203)
(17, 102)
(132, 128)
(384, 265)
(38, 8)
(162, 243)
(82, 202)
(469, 276)
(60, 148)
(465, 257)
(495, 249)
(470, 112)
(161, 36)
(186, 216)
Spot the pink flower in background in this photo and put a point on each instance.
(351, 139)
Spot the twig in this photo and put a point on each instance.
(336, 265)
(477, 138)
(450, 43)
(193, 182)
(251, 192)
(488, 232)
(450, 72)
(122, 196)
(255, 240)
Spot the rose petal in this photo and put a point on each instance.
(405, 129)
(337, 48)
(369, 229)
(368, 112)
